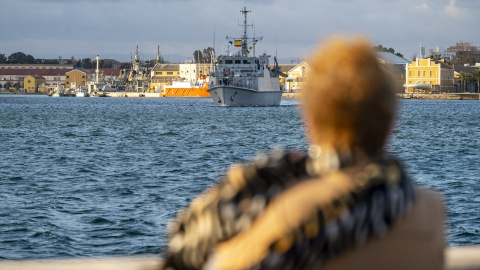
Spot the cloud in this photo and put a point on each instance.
(422, 7)
(180, 27)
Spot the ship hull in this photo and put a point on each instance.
(186, 91)
(242, 97)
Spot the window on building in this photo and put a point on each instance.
(246, 61)
(418, 73)
(68, 77)
(170, 73)
(29, 81)
(228, 61)
(159, 73)
(83, 77)
(237, 61)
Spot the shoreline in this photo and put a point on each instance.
(451, 96)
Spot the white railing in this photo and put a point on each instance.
(456, 258)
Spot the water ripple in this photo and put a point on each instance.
(102, 177)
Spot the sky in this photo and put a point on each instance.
(112, 28)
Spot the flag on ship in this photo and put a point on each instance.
(238, 43)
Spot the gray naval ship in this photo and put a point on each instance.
(243, 79)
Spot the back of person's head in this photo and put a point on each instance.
(348, 100)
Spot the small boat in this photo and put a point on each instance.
(187, 88)
(81, 93)
(57, 91)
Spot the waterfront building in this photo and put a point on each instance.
(192, 71)
(78, 78)
(284, 68)
(296, 77)
(429, 76)
(162, 74)
(15, 77)
(395, 66)
(34, 83)
(108, 74)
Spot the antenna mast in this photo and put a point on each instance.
(244, 39)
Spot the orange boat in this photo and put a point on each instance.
(187, 89)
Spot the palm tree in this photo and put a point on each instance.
(462, 77)
(470, 80)
(476, 77)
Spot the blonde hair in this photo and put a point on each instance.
(348, 100)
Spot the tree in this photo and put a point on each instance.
(463, 78)
(198, 56)
(79, 63)
(208, 53)
(476, 77)
(20, 58)
(125, 65)
(470, 79)
(3, 58)
(380, 48)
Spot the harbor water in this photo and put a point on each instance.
(89, 177)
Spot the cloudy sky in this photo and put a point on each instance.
(112, 28)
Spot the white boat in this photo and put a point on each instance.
(243, 80)
(57, 91)
(81, 92)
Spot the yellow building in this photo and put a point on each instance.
(162, 74)
(296, 77)
(78, 78)
(429, 76)
(33, 83)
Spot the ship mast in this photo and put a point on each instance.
(244, 39)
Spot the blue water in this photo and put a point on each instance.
(83, 177)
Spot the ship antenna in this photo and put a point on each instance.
(276, 45)
(212, 60)
(245, 25)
